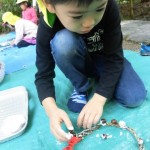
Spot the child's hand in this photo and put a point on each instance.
(57, 116)
(91, 112)
(12, 43)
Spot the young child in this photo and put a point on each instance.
(28, 12)
(84, 39)
(25, 30)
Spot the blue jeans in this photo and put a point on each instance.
(71, 56)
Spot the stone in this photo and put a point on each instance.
(136, 31)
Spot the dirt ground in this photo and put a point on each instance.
(141, 10)
(128, 45)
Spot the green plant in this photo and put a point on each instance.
(8, 6)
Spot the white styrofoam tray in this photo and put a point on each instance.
(13, 112)
(2, 71)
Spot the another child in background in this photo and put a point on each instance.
(28, 12)
(25, 30)
(84, 39)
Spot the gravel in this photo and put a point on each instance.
(129, 45)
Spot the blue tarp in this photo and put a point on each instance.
(17, 58)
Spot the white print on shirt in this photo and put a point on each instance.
(94, 42)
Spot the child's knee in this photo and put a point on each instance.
(132, 100)
(63, 39)
(65, 44)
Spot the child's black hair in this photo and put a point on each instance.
(78, 2)
(28, 3)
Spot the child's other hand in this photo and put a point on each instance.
(12, 43)
(57, 116)
(92, 111)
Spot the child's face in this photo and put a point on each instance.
(23, 6)
(80, 19)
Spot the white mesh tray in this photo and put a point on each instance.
(13, 112)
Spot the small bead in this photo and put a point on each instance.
(140, 141)
(109, 136)
(114, 121)
(104, 136)
(103, 122)
(69, 136)
(72, 132)
(122, 124)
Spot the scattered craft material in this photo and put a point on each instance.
(106, 136)
(6, 44)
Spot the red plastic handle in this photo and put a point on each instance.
(72, 142)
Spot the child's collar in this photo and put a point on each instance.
(49, 18)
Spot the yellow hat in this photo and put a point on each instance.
(10, 18)
(20, 1)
